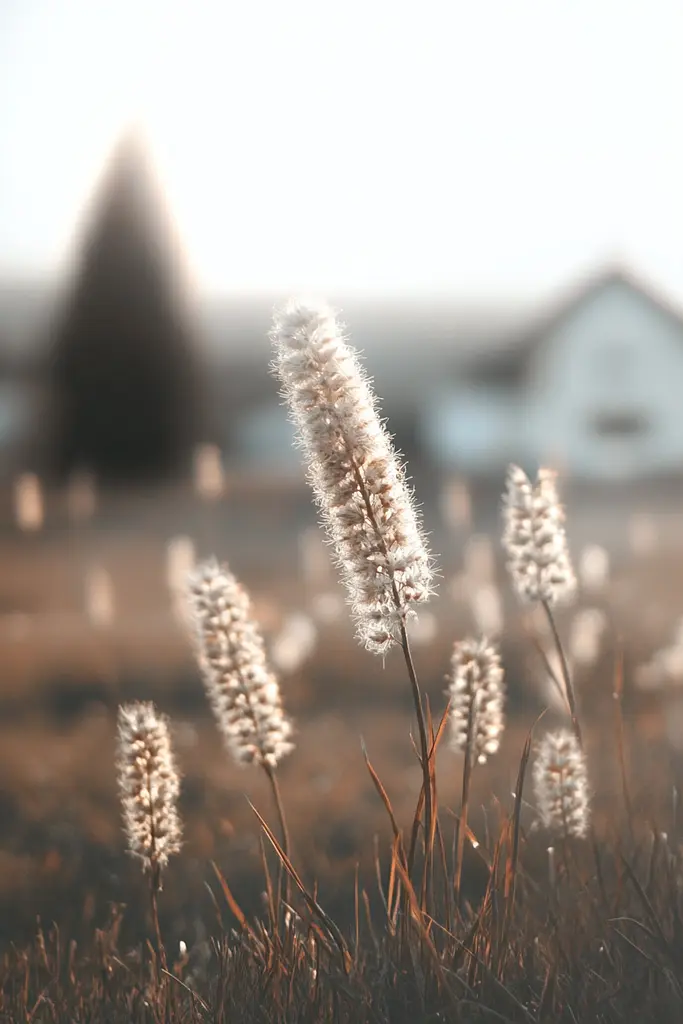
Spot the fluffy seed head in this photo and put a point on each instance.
(534, 538)
(243, 692)
(561, 784)
(366, 504)
(148, 785)
(476, 687)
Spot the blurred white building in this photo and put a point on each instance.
(591, 384)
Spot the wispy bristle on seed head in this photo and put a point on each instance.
(534, 538)
(149, 785)
(561, 784)
(367, 507)
(476, 687)
(243, 692)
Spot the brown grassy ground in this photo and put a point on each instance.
(62, 855)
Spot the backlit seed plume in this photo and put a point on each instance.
(243, 692)
(148, 785)
(366, 505)
(534, 538)
(476, 681)
(561, 784)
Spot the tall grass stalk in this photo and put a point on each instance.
(366, 505)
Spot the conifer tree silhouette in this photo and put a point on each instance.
(125, 378)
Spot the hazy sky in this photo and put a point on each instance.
(469, 145)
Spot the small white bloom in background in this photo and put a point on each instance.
(456, 504)
(295, 643)
(367, 507)
(243, 692)
(81, 497)
(534, 538)
(327, 607)
(180, 561)
(593, 567)
(561, 784)
(476, 682)
(671, 660)
(208, 474)
(479, 559)
(149, 785)
(181, 558)
(585, 635)
(100, 608)
(487, 609)
(29, 508)
(642, 534)
(663, 671)
(423, 630)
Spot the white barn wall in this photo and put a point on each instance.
(616, 351)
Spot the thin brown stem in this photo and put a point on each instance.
(155, 879)
(566, 675)
(464, 803)
(571, 698)
(279, 807)
(154, 889)
(424, 755)
(617, 694)
(417, 696)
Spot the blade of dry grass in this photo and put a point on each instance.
(310, 901)
(464, 805)
(513, 850)
(617, 695)
(232, 902)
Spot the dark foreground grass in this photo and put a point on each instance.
(526, 953)
(587, 941)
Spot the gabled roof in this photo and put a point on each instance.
(519, 347)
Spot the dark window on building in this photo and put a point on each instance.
(626, 424)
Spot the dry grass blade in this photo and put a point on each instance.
(661, 939)
(384, 797)
(420, 801)
(417, 917)
(197, 1000)
(428, 871)
(310, 901)
(232, 902)
(617, 694)
(513, 848)
(464, 802)
(500, 987)
(272, 901)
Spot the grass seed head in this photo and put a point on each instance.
(243, 692)
(534, 538)
(476, 687)
(367, 507)
(149, 785)
(561, 784)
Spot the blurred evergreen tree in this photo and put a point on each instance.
(125, 378)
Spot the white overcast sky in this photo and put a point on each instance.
(477, 146)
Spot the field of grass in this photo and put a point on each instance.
(588, 933)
